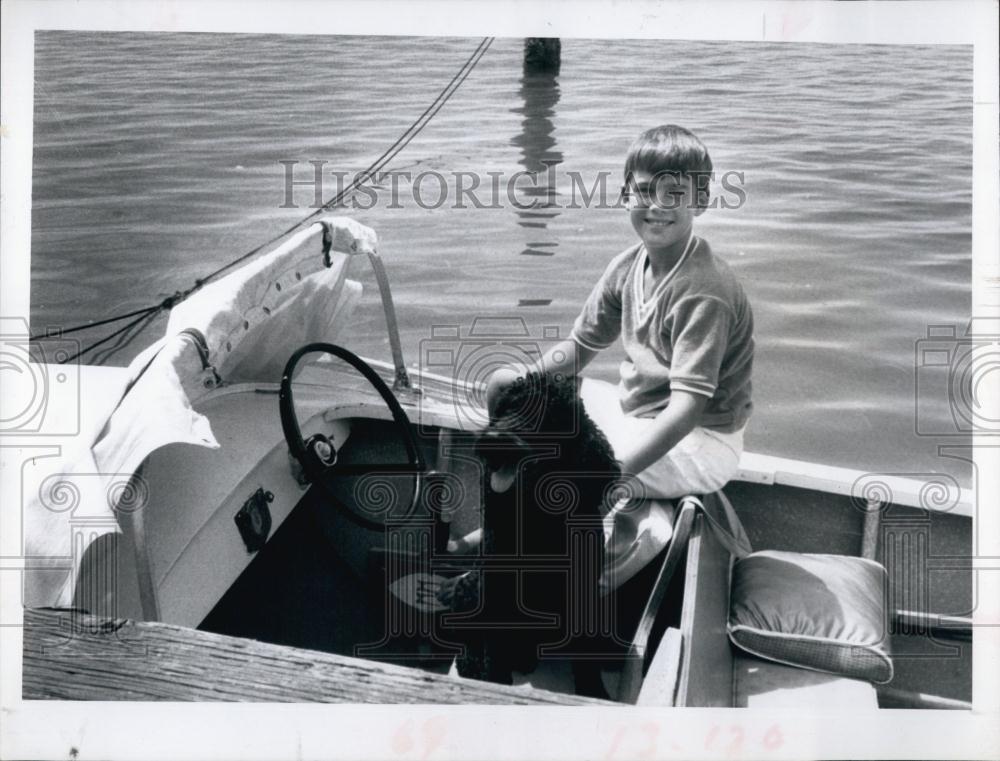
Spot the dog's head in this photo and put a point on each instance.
(539, 425)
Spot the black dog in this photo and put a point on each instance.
(548, 470)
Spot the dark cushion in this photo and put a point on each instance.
(821, 612)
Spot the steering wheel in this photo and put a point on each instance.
(317, 455)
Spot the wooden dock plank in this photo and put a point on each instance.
(69, 656)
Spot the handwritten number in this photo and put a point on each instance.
(737, 743)
(434, 731)
(650, 730)
(773, 738)
(615, 743)
(432, 737)
(402, 740)
(710, 737)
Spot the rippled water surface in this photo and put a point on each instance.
(156, 160)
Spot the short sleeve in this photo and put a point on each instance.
(699, 340)
(600, 321)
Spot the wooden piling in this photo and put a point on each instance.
(542, 54)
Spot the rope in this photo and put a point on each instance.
(127, 338)
(64, 331)
(146, 315)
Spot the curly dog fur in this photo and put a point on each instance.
(539, 432)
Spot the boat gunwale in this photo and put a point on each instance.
(755, 468)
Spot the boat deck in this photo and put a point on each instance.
(69, 656)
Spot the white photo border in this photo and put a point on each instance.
(50, 729)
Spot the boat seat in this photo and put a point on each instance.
(697, 665)
(758, 683)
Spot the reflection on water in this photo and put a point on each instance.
(539, 92)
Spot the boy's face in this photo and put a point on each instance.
(662, 208)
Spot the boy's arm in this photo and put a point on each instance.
(675, 422)
(566, 357)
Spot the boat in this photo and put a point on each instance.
(199, 518)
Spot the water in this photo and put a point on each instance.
(157, 160)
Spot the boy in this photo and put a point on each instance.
(676, 419)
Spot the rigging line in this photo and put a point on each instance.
(140, 325)
(439, 101)
(109, 337)
(63, 331)
(374, 169)
(404, 139)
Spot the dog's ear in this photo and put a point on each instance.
(496, 447)
(501, 451)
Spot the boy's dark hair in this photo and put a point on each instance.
(671, 149)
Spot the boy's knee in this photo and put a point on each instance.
(501, 378)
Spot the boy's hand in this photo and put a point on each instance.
(465, 544)
(444, 592)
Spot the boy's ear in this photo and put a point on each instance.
(700, 184)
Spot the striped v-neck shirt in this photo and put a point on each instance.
(694, 332)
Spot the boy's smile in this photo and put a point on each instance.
(662, 211)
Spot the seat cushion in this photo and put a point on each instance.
(758, 683)
(821, 612)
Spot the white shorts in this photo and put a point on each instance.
(702, 462)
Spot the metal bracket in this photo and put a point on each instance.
(254, 520)
(401, 384)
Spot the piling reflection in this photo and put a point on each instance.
(539, 156)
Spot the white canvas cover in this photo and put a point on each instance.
(251, 322)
